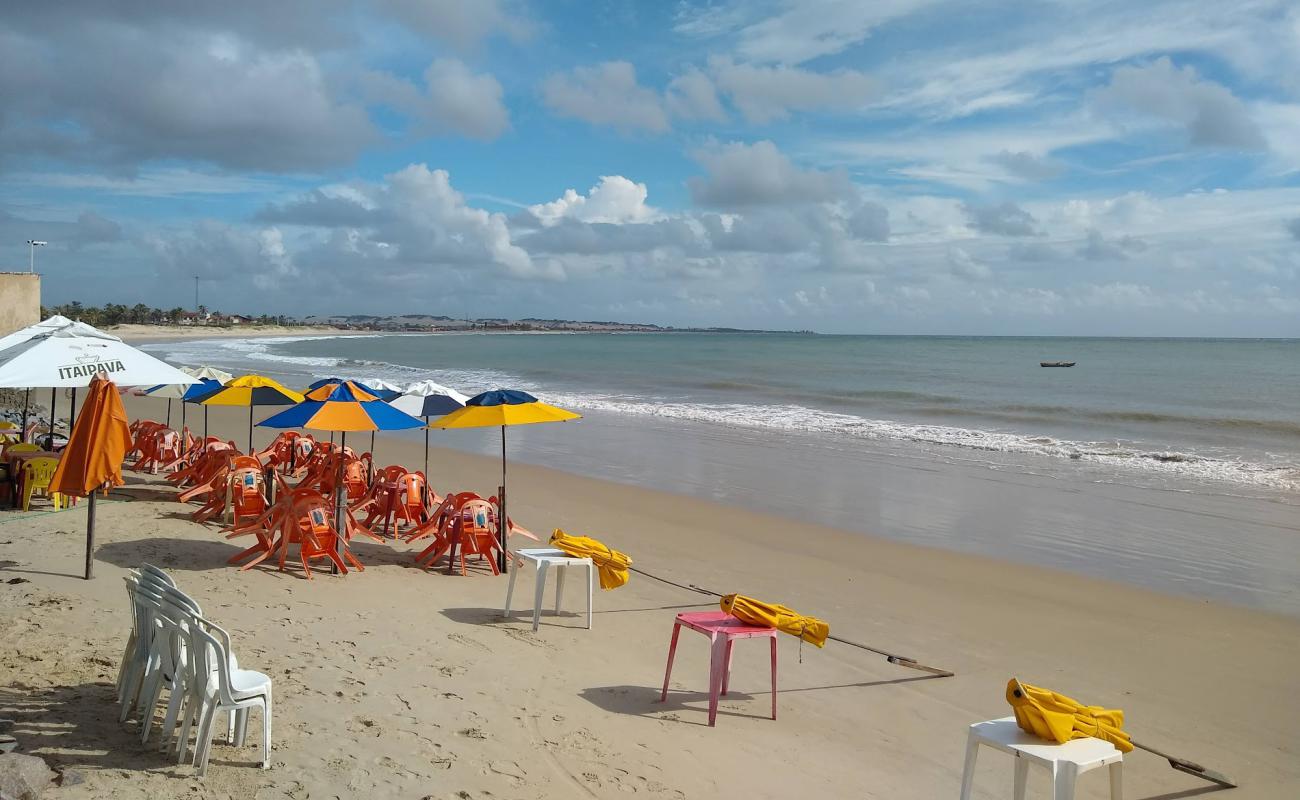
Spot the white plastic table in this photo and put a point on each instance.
(1065, 761)
(543, 558)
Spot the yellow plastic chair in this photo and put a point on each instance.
(23, 447)
(37, 475)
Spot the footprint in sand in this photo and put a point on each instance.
(510, 770)
(526, 636)
(451, 670)
(469, 641)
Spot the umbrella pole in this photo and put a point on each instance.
(426, 448)
(27, 399)
(339, 526)
(54, 401)
(372, 444)
(205, 423)
(182, 427)
(90, 534)
(72, 412)
(503, 523)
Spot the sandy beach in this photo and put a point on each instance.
(158, 333)
(399, 683)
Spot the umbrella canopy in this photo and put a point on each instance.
(178, 391)
(1059, 719)
(383, 389)
(97, 444)
(428, 399)
(72, 354)
(202, 390)
(251, 390)
(610, 564)
(93, 457)
(756, 612)
(47, 325)
(502, 407)
(342, 407)
(196, 394)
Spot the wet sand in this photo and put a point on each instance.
(398, 683)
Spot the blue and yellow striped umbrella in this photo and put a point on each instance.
(342, 407)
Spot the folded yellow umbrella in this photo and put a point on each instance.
(611, 564)
(756, 612)
(1059, 719)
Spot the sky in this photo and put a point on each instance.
(1077, 167)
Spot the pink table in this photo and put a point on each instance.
(722, 630)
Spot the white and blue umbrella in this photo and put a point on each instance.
(428, 399)
(180, 391)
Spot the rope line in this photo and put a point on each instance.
(893, 658)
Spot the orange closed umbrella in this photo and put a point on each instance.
(96, 446)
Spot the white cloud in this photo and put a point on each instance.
(453, 100)
(692, 95)
(798, 30)
(1004, 219)
(964, 266)
(465, 102)
(1210, 114)
(740, 175)
(614, 199)
(763, 94)
(462, 23)
(606, 94)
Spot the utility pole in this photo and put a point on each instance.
(196, 295)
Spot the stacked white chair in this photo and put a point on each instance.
(173, 647)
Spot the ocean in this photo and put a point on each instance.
(1173, 463)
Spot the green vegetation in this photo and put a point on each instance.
(141, 314)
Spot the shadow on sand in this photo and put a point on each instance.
(643, 701)
(190, 554)
(77, 727)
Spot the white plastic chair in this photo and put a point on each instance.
(132, 654)
(225, 690)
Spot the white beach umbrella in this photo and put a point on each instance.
(428, 399)
(68, 354)
(44, 326)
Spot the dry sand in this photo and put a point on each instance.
(147, 333)
(399, 683)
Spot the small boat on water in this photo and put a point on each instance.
(1056, 363)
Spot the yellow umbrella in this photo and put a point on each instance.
(1059, 719)
(500, 408)
(251, 390)
(756, 612)
(611, 564)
